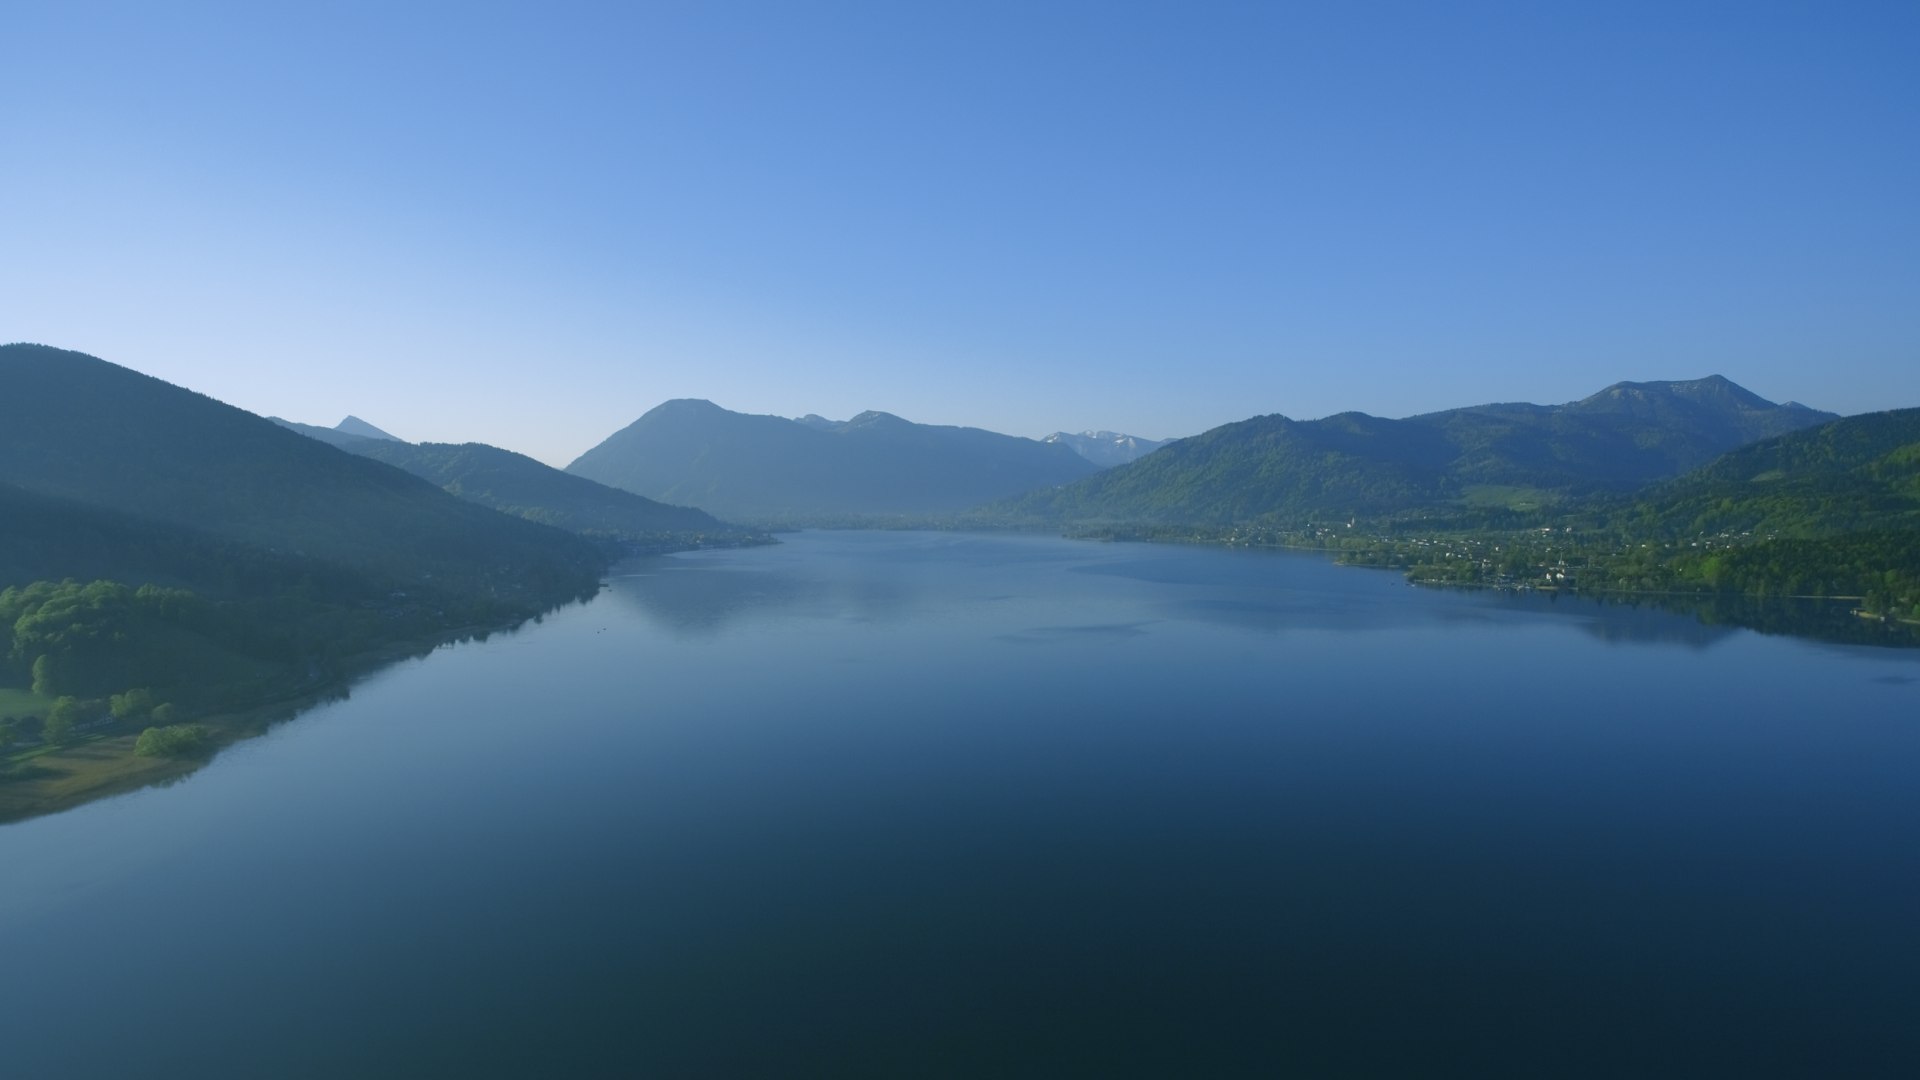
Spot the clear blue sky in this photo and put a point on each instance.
(527, 224)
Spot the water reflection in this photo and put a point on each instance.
(692, 598)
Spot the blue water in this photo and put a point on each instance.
(921, 804)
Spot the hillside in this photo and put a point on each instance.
(1272, 468)
(771, 469)
(103, 436)
(1860, 473)
(516, 484)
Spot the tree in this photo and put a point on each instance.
(132, 705)
(178, 739)
(60, 720)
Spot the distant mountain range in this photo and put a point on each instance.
(772, 469)
(1272, 468)
(516, 484)
(1106, 448)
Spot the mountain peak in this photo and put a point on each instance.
(1105, 448)
(1711, 388)
(353, 425)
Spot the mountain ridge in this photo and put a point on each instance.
(743, 466)
(1272, 467)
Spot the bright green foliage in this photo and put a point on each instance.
(174, 740)
(132, 705)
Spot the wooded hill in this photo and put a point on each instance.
(1271, 469)
(159, 541)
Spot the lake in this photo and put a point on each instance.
(930, 804)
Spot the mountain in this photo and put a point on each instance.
(768, 468)
(353, 425)
(1106, 448)
(330, 436)
(1859, 473)
(516, 484)
(1273, 468)
(108, 438)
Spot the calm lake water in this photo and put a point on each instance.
(913, 804)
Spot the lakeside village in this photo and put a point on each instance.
(1871, 571)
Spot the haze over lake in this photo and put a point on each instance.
(885, 804)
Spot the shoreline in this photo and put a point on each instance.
(105, 765)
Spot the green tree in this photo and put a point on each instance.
(132, 705)
(177, 739)
(60, 720)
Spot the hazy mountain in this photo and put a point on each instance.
(105, 437)
(768, 468)
(330, 436)
(353, 425)
(1859, 473)
(516, 484)
(1106, 448)
(1274, 468)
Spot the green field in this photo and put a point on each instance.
(22, 703)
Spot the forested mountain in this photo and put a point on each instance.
(1106, 448)
(48, 538)
(104, 436)
(1271, 468)
(1860, 473)
(516, 484)
(167, 558)
(768, 468)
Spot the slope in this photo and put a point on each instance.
(105, 436)
(1859, 473)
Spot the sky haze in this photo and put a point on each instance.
(526, 225)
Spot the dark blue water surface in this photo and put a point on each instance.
(914, 804)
